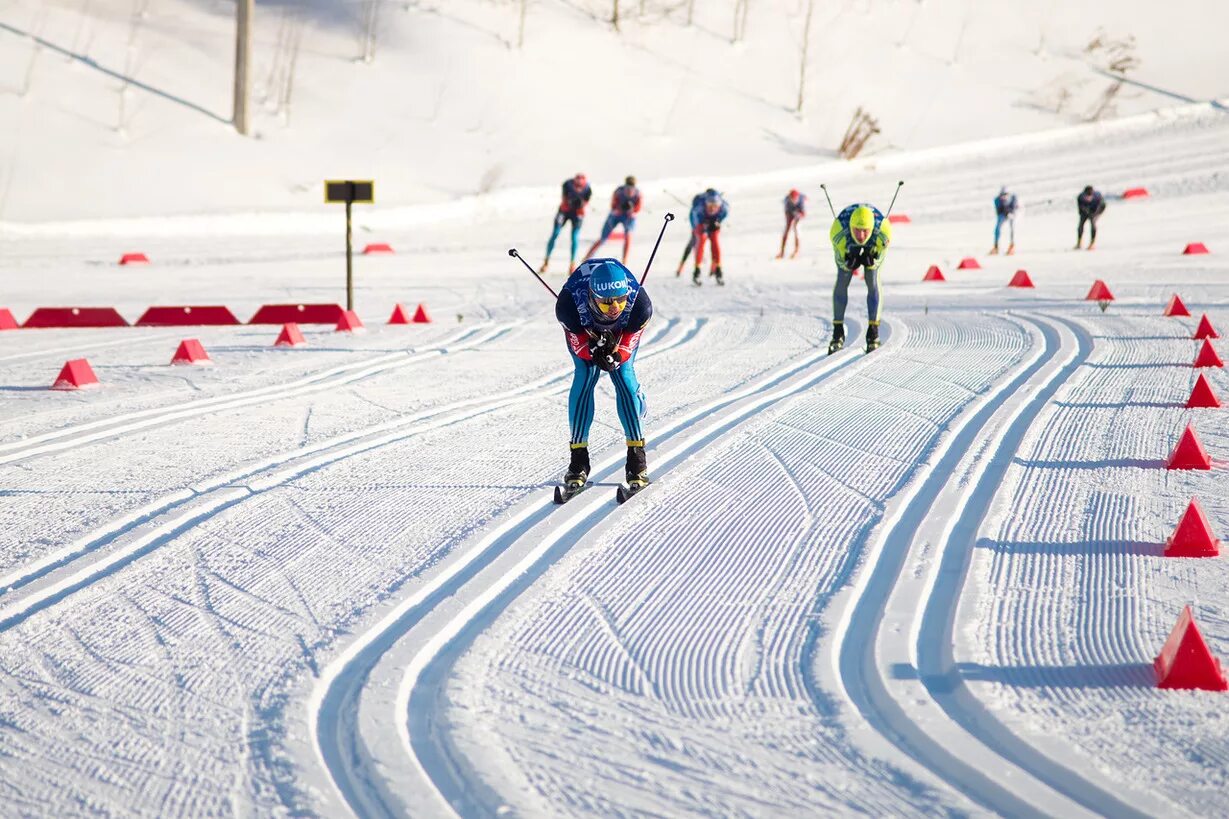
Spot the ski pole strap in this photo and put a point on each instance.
(669, 218)
(512, 252)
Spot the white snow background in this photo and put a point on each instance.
(329, 580)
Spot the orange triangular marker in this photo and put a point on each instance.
(349, 322)
(1195, 249)
(968, 263)
(1205, 329)
(1099, 291)
(1207, 356)
(1189, 453)
(1176, 307)
(76, 374)
(1193, 535)
(934, 274)
(1185, 661)
(1202, 395)
(291, 336)
(400, 315)
(420, 315)
(1021, 279)
(190, 352)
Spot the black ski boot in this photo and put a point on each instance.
(695, 277)
(577, 476)
(717, 274)
(838, 337)
(872, 337)
(637, 473)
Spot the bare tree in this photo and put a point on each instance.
(520, 31)
(861, 128)
(806, 46)
(614, 15)
(740, 19)
(691, 10)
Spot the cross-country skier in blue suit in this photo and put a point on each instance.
(576, 194)
(604, 311)
(1005, 207)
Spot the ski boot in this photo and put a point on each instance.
(577, 476)
(545, 265)
(1092, 244)
(1011, 249)
(994, 251)
(872, 337)
(637, 472)
(838, 337)
(1079, 245)
(717, 274)
(695, 277)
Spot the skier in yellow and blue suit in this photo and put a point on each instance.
(860, 238)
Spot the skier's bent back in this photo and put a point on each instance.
(860, 238)
(604, 311)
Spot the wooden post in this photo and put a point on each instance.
(244, 10)
(349, 260)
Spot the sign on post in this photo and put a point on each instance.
(349, 191)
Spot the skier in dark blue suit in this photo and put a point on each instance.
(604, 311)
(1091, 205)
(576, 194)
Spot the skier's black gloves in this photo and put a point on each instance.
(606, 361)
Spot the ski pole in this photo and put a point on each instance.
(512, 252)
(669, 218)
(898, 186)
(824, 188)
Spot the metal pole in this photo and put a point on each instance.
(349, 262)
(244, 11)
(889, 211)
(829, 198)
(669, 218)
(512, 252)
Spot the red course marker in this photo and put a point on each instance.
(1202, 395)
(1195, 249)
(1189, 453)
(75, 375)
(1205, 329)
(1207, 356)
(1193, 535)
(1176, 307)
(934, 274)
(7, 322)
(134, 258)
(968, 263)
(1185, 661)
(420, 315)
(191, 351)
(291, 336)
(1021, 279)
(349, 322)
(400, 315)
(1099, 291)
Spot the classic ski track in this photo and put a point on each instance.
(334, 700)
(53, 577)
(895, 619)
(115, 426)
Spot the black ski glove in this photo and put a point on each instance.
(607, 361)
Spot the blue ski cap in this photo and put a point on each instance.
(608, 279)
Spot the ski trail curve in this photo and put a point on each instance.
(439, 621)
(883, 634)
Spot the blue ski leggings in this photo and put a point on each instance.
(562, 218)
(840, 295)
(629, 398)
(998, 227)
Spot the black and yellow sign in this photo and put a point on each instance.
(350, 190)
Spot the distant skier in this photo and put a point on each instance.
(860, 238)
(1091, 205)
(795, 212)
(708, 211)
(576, 194)
(603, 311)
(1005, 207)
(624, 205)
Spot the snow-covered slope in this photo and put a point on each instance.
(120, 109)
(924, 580)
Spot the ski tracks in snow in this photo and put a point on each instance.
(353, 719)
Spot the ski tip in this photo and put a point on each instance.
(559, 495)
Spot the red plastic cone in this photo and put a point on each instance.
(1135, 193)
(1207, 356)
(1021, 279)
(1195, 249)
(1202, 395)
(378, 247)
(400, 315)
(1176, 307)
(349, 322)
(934, 274)
(7, 322)
(134, 258)
(191, 352)
(1185, 661)
(420, 315)
(1189, 453)
(968, 263)
(1193, 535)
(76, 374)
(899, 218)
(291, 336)
(1099, 291)
(1205, 329)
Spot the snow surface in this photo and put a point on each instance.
(329, 580)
